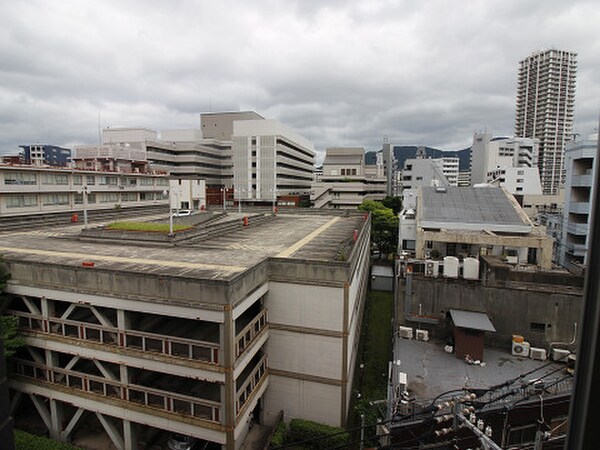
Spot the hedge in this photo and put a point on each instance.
(26, 441)
(279, 435)
(321, 435)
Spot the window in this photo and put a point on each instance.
(108, 197)
(108, 181)
(519, 180)
(20, 178)
(21, 201)
(146, 182)
(146, 196)
(353, 171)
(408, 244)
(77, 180)
(520, 172)
(537, 326)
(162, 182)
(519, 189)
(55, 178)
(129, 197)
(419, 178)
(90, 180)
(55, 199)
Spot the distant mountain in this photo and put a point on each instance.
(405, 152)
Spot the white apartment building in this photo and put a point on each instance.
(545, 104)
(507, 162)
(270, 160)
(34, 189)
(419, 172)
(581, 164)
(346, 181)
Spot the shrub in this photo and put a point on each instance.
(323, 436)
(26, 441)
(279, 435)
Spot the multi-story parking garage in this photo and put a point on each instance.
(197, 338)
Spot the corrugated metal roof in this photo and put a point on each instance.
(382, 271)
(472, 320)
(470, 208)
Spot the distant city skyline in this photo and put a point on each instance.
(341, 73)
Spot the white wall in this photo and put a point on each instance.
(303, 399)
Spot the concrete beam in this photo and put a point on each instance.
(64, 435)
(69, 310)
(42, 410)
(112, 432)
(17, 397)
(101, 317)
(107, 373)
(32, 307)
(35, 355)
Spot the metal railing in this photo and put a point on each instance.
(138, 340)
(254, 379)
(150, 397)
(245, 337)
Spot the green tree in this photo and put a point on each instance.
(394, 203)
(8, 324)
(384, 226)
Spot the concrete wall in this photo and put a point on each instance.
(511, 310)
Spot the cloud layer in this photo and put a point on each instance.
(340, 72)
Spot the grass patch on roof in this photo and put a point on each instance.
(146, 226)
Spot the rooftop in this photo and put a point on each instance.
(474, 209)
(292, 236)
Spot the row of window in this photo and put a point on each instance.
(32, 200)
(62, 179)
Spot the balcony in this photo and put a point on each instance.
(131, 339)
(115, 390)
(581, 180)
(579, 207)
(252, 382)
(250, 332)
(580, 229)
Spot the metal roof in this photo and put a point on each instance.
(474, 209)
(472, 320)
(382, 271)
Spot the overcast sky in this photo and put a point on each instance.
(339, 72)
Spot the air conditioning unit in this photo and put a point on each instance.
(560, 355)
(429, 269)
(422, 335)
(537, 353)
(405, 332)
(520, 349)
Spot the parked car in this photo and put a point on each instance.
(178, 441)
(182, 213)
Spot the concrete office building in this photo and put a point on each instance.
(34, 190)
(511, 163)
(387, 159)
(469, 222)
(270, 160)
(581, 164)
(196, 339)
(346, 181)
(545, 104)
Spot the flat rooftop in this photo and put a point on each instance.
(292, 235)
(431, 371)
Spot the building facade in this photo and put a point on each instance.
(34, 190)
(270, 160)
(46, 155)
(581, 164)
(429, 172)
(346, 181)
(545, 104)
(196, 340)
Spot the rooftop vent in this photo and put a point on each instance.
(441, 189)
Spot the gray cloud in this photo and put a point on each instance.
(341, 73)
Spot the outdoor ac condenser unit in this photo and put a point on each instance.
(520, 349)
(422, 335)
(405, 332)
(537, 353)
(560, 355)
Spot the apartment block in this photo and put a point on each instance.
(544, 110)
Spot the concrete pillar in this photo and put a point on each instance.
(227, 331)
(129, 435)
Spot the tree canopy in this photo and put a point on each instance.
(384, 226)
(8, 324)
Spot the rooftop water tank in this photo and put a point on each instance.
(450, 267)
(471, 269)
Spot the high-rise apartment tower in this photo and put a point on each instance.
(545, 103)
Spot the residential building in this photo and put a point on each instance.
(510, 163)
(197, 339)
(429, 172)
(34, 189)
(451, 221)
(270, 160)
(387, 159)
(545, 104)
(187, 194)
(346, 181)
(46, 155)
(581, 165)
